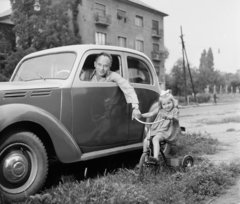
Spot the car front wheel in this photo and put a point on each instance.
(23, 165)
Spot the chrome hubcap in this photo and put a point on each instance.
(19, 166)
(15, 167)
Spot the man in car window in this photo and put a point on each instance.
(102, 73)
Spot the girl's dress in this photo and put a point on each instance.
(168, 129)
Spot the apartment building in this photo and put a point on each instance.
(125, 23)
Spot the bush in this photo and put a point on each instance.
(3, 78)
(203, 98)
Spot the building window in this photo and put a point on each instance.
(139, 21)
(157, 68)
(155, 47)
(139, 45)
(100, 9)
(100, 38)
(121, 16)
(155, 27)
(122, 42)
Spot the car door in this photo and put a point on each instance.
(142, 77)
(100, 111)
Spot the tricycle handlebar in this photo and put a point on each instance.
(148, 123)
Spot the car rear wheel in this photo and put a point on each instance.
(23, 165)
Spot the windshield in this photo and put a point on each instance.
(52, 66)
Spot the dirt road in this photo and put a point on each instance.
(221, 122)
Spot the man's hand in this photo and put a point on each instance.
(136, 113)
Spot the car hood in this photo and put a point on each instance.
(7, 86)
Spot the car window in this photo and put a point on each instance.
(51, 66)
(88, 69)
(138, 71)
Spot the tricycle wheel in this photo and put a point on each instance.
(23, 165)
(141, 165)
(146, 169)
(187, 162)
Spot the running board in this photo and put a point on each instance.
(107, 152)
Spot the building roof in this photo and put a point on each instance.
(6, 13)
(5, 17)
(146, 6)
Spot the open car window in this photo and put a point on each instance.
(88, 69)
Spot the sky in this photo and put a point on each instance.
(205, 24)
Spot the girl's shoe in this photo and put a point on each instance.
(152, 160)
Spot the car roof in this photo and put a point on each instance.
(83, 48)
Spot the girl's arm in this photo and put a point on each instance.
(147, 115)
(150, 114)
(174, 115)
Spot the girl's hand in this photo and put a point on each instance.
(168, 117)
(165, 117)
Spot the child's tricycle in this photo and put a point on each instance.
(167, 162)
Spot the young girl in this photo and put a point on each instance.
(166, 130)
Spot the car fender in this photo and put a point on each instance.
(65, 146)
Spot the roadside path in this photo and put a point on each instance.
(228, 134)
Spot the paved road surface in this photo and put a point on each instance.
(198, 119)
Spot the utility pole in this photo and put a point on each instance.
(184, 69)
(185, 81)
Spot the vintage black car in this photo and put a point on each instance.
(51, 109)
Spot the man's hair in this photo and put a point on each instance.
(106, 55)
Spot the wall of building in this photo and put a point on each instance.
(119, 28)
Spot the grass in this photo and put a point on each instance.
(233, 119)
(222, 98)
(203, 181)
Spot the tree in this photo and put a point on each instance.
(13, 59)
(203, 60)
(207, 74)
(47, 28)
(175, 80)
(210, 60)
(50, 27)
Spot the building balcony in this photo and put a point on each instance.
(5, 47)
(158, 56)
(157, 33)
(102, 20)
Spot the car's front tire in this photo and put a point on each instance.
(23, 165)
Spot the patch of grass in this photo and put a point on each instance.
(235, 119)
(230, 130)
(198, 184)
(196, 145)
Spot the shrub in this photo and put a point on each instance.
(3, 78)
(203, 98)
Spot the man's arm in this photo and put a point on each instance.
(129, 92)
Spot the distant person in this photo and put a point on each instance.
(215, 99)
